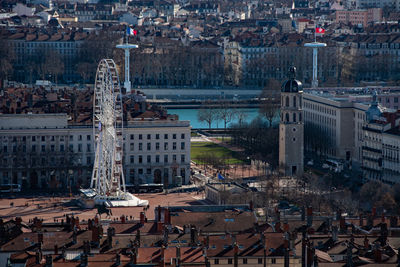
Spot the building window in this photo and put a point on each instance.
(71, 138)
(294, 101)
(157, 158)
(132, 146)
(174, 136)
(287, 101)
(43, 148)
(80, 138)
(182, 145)
(140, 146)
(79, 147)
(182, 158)
(165, 136)
(174, 146)
(132, 159)
(52, 148)
(294, 117)
(165, 146)
(216, 261)
(140, 137)
(33, 148)
(157, 146)
(165, 158)
(148, 171)
(259, 260)
(140, 171)
(148, 159)
(148, 136)
(71, 148)
(173, 158)
(132, 136)
(183, 136)
(33, 138)
(230, 261)
(88, 160)
(88, 147)
(140, 159)
(157, 136)
(244, 261)
(273, 261)
(43, 138)
(148, 146)
(88, 137)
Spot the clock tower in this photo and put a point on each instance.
(291, 127)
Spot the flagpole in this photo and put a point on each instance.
(315, 34)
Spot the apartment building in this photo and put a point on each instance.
(47, 150)
(359, 17)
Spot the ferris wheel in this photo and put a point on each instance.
(107, 177)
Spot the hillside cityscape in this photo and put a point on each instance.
(199, 133)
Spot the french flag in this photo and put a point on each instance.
(130, 31)
(319, 30)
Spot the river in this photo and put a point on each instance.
(191, 115)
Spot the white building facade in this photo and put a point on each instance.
(45, 151)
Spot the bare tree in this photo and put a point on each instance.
(207, 115)
(270, 97)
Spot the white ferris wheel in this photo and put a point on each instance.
(108, 183)
(107, 177)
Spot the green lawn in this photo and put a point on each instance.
(201, 150)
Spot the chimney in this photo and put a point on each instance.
(84, 260)
(315, 260)
(343, 227)
(18, 221)
(159, 213)
(377, 253)
(110, 234)
(162, 255)
(393, 221)
(278, 227)
(142, 218)
(285, 227)
(133, 257)
(350, 255)
(137, 238)
(366, 243)
(370, 221)
(117, 260)
(309, 216)
(159, 226)
(235, 255)
(165, 240)
(95, 234)
(38, 257)
(398, 257)
(334, 233)
(40, 237)
(74, 237)
(167, 216)
(49, 261)
(286, 257)
(193, 236)
(178, 256)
